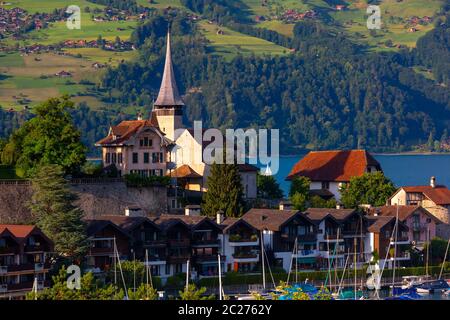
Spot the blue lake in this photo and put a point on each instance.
(401, 169)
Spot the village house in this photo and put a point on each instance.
(240, 244)
(24, 260)
(390, 245)
(329, 171)
(421, 223)
(434, 198)
(281, 230)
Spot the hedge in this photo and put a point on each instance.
(232, 278)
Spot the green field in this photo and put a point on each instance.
(231, 42)
(28, 80)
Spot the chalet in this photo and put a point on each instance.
(24, 260)
(281, 230)
(331, 170)
(387, 243)
(435, 198)
(108, 242)
(420, 222)
(240, 244)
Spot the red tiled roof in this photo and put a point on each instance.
(184, 171)
(439, 194)
(125, 130)
(19, 231)
(338, 166)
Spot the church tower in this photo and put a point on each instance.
(168, 108)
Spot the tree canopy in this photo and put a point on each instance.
(48, 138)
(371, 188)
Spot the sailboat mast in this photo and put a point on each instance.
(262, 261)
(445, 259)
(428, 249)
(354, 263)
(187, 275)
(296, 261)
(395, 249)
(220, 278)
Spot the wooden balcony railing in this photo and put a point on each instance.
(179, 243)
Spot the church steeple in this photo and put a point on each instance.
(168, 93)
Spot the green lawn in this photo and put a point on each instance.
(231, 42)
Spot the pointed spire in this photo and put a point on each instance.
(168, 93)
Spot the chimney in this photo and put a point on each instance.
(338, 206)
(285, 205)
(134, 212)
(433, 182)
(139, 116)
(192, 210)
(219, 217)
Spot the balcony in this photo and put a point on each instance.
(181, 258)
(306, 254)
(179, 243)
(8, 251)
(207, 258)
(309, 237)
(35, 248)
(206, 243)
(27, 286)
(154, 243)
(246, 257)
(3, 288)
(3, 270)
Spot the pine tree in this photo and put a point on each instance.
(53, 210)
(225, 191)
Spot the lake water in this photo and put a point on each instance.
(401, 169)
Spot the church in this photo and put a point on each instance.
(161, 145)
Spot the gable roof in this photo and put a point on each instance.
(22, 232)
(439, 194)
(94, 226)
(166, 221)
(120, 134)
(403, 212)
(229, 223)
(168, 92)
(269, 219)
(338, 166)
(127, 223)
(376, 223)
(184, 171)
(339, 215)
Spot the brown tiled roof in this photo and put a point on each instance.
(231, 222)
(439, 195)
(168, 93)
(268, 219)
(377, 223)
(403, 212)
(318, 214)
(192, 222)
(94, 226)
(184, 171)
(125, 130)
(338, 166)
(125, 222)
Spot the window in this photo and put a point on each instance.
(2, 243)
(178, 268)
(157, 157)
(108, 158)
(167, 268)
(119, 157)
(146, 142)
(325, 185)
(135, 157)
(114, 157)
(146, 157)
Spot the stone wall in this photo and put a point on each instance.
(95, 198)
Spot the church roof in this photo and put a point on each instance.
(185, 171)
(168, 93)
